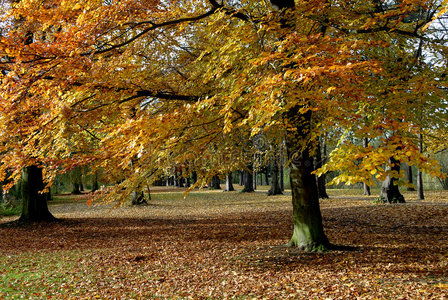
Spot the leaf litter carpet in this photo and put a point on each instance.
(228, 245)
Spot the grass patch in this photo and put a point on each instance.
(8, 209)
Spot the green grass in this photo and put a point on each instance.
(7, 209)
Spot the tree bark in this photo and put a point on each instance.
(390, 192)
(215, 184)
(275, 186)
(229, 183)
(282, 181)
(255, 180)
(321, 182)
(308, 233)
(248, 180)
(194, 176)
(420, 195)
(410, 179)
(138, 198)
(266, 175)
(95, 186)
(34, 203)
(76, 181)
(366, 187)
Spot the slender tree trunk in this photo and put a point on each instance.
(229, 183)
(275, 186)
(282, 181)
(389, 190)
(255, 180)
(266, 175)
(308, 233)
(321, 182)
(366, 187)
(248, 180)
(34, 203)
(420, 195)
(410, 178)
(241, 177)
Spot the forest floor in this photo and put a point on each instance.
(218, 245)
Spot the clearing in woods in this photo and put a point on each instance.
(228, 245)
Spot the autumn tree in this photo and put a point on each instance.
(203, 78)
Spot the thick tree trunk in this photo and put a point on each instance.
(34, 203)
(229, 183)
(390, 192)
(308, 231)
(248, 180)
(275, 186)
(410, 179)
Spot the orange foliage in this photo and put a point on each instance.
(189, 82)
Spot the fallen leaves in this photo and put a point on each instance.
(228, 245)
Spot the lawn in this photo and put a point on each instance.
(217, 245)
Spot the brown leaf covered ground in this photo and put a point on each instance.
(228, 245)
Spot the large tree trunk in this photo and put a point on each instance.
(248, 180)
(389, 189)
(34, 203)
(308, 231)
(275, 186)
(229, 183)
